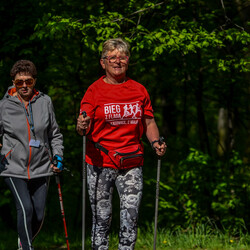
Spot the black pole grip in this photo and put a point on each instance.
(161, 140)
(84, 114)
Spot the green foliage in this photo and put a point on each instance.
(204, 188)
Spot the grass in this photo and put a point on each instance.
(202, 237)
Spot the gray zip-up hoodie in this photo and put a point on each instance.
(18, 158)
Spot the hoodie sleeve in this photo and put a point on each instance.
(55, 137)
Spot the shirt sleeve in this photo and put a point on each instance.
(148, 110)
(87, 103)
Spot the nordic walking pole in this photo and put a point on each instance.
(83, 184)
(157, 194)
(62, 209)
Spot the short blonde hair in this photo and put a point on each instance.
(116, 43)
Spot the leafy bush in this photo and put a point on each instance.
(206, 189)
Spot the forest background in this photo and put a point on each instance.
(193, 58)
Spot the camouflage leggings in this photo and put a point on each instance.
(101, 182)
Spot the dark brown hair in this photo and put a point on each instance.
(24, 66)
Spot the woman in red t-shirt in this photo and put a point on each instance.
(118, 111)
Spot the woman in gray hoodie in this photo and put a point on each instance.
(32, 148)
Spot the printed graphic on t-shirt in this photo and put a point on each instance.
(122, 113)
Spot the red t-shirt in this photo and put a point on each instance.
(117, 113)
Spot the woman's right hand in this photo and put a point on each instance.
(83, 123)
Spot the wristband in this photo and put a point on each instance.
(160, 141)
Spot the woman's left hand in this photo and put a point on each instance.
(160, 149)
(55, 169)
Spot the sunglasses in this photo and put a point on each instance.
(113, 59)
(29, 82)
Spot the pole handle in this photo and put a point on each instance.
(161, 141)
(84, 114)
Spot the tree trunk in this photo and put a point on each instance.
(222, 147)
(202, 127)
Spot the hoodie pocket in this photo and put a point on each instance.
(40, 156)
(4, 160)
(13, 157)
